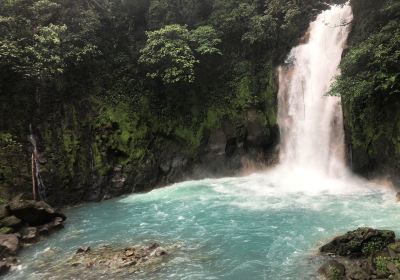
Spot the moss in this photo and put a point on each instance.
(6, 230)
(372, 246)
(270, 93)
(333, 273)
(14, 166)
(381, 264)
(244, 98)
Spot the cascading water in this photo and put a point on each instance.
(311, 122)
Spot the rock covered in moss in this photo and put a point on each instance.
(11, 222)
(362, 254)
(360, 242)
(333, 270)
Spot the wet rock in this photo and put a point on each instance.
(6, 230)
(55, 224)
(4, 212)
(398, 196)
(11, 222)
(255, 129)
(359, 274)
(360, 242)
(109, 258)
(366, 254)
(394, 249)
(9, 245)
(4, 267)
(29, 234)
(83, 250)
(217, 142)
(153, 246)
(129, 253)
(6, 264)
(333, 270)
(35, 213)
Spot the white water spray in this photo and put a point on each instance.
(311, 124)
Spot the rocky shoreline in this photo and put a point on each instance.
(114, 261)
(362, 254)
(22, 223)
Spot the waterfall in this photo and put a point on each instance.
(311, 123)
(38, 187)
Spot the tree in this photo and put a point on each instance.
(206, 40)
(170, 52)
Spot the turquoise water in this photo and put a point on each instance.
(232, 228)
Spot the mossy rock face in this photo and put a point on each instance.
(333, 270)
(360, 242)
(14, 167)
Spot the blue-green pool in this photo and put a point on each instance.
(255, 227)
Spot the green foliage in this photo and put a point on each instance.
(6, 230)
(36, 42)
(372, 66)
(45, 58)
(168, 55)
(78, 71)
(372, 246)
(333, 273)
(381, 264)
(170, 51)
(369, 85)
(13, 164)
(206, 40)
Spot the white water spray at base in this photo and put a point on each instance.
(312, 137)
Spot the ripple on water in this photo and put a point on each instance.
(225, 228)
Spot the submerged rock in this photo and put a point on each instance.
(112, 261)
(6, 264)
(83, 249)
(112, 258)
(4, 267)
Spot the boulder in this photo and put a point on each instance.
(333, 270)
(4, 211)
(35, 213)
(56, 223)
(4, 267)
(6, 230)
(360, 242)
(29, 234)
(83, 250)
(394, 249)
(11, 222)
(9, 245)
